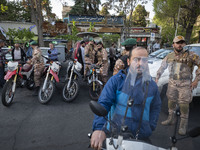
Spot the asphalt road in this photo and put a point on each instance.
(29, 125)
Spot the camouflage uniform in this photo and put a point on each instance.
(119, 65)
(102, 57)
(89, 57)
(179, 91)
(38, 62)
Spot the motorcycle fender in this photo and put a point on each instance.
(54, 75)
(99, 82)
(9, 74)
(90, 81)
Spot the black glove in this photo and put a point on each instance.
(49, 51)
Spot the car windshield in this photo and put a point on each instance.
(163, 54)
(156, 52)
(195, 49)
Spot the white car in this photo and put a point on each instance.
(163, 81)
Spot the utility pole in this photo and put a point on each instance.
(177, 20)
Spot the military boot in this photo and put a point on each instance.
(183, 126)
(170, 120)
(36, 91)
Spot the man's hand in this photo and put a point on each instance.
(97, 139)
(194, 84)
(156, 80)
(9, 50)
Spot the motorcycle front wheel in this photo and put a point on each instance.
(70, 94)
(95, 90)
(45, 96)
(7, 94)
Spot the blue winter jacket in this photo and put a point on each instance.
(53, 56)
(114, 99)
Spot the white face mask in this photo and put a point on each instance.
(138, 69)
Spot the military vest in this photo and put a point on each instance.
(180, 67)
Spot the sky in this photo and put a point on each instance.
(57, 7)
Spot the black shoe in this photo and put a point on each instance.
(36, 91)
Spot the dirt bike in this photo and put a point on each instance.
(123, 140)
(95, 85)
(71, 86)
(48, 87)
(18, 75)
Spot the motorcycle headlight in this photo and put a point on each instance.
(55, 67)
(12, 66)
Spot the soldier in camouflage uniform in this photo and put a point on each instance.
(180, 64)
(38, 62)
(121, 63)
(101, 58)
(89, 57)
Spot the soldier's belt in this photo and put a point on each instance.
(175, 77)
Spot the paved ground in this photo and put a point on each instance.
(29, 125)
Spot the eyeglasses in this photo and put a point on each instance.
(142, 59)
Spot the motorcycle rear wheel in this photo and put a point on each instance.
(71, 94)
(45, 96)
(7, 94)
(98, 88)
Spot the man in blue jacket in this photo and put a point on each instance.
(133, 83)
(52, 52)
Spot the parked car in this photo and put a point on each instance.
(163, 81)
(154, 54)
(161, 55)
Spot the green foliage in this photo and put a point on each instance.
(108, 39)
(72, 36)
(3, 8)
(14, 11)
(138, 17)
(91, 28)
(11, 33)
(104, 11)
(21, 35)
(166, 11)
(85, 7)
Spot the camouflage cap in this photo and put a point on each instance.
(130, 42)
(178, 38)
(33, 43)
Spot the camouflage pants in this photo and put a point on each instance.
(38, 69)
(179, 92)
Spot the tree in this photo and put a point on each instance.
(108, 39)
(125, 6)
(85, 7)
(13, 11)
(139, 15)
(189, 11)
(104, 11)
(71, 37)
(36, 10)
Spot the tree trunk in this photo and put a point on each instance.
(188, 33)
(31, 5)
(40, 22)
(199, 37)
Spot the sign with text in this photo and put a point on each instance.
(84, 19)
